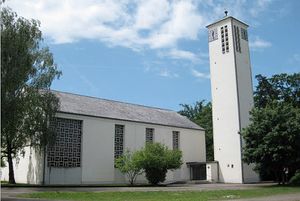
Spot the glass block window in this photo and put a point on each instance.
(244, 34)
(66, 151)
(175, 140)
(237, 39)
(224, 39)
(149, 135)
(119, 140)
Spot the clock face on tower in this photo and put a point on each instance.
(212, 34)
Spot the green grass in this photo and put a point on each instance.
(6, 184)
(164, 196)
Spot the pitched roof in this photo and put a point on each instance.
(97, 107)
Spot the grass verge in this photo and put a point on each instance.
(163, 195)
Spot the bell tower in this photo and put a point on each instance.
(232, 96)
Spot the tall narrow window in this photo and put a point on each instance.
(237, 39)
(119, 140)
(149, 135)
(175, 140)
(244, 34)
(224, 39)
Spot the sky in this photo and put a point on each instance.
(155, 52)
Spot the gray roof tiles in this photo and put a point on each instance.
(91, 106)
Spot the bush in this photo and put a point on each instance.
(295, 180)
(156, 159)
(156, 175)
(129, 165)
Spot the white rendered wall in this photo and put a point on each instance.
(212, 172)
(232, 100)
(245, 92)
(98, 147)
(97, 165)
(27, 169)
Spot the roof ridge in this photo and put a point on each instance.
(146, 106)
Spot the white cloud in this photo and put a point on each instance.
(138, 24)
(181, 54)
(167, 73)
(199, 74)
(151, 13)
(184, 23)
(133, 24)
(260, 5)
(258, 44)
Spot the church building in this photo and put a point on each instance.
(92, 132)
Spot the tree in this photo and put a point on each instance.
(201, 114)
(272, 140)
(279, 88)
(129, 165)
(156, 159)
(27, 104)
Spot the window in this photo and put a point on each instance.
(175, 139)
(237, 39)
(244, 34)
(149, 135)
(119, 140)
(224, 39)
(66, 151)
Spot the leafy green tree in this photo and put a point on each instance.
(156, 159)
(201, 114)
(27, 71)
(130, 165)
(280, 88)
(295, 180)
(272, 140)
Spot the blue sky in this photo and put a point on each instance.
(155, 52)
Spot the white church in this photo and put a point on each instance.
(92, 132)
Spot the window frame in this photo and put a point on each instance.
(176, 140)
(151, 133)
(119, 141)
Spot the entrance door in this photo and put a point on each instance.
(199, 172)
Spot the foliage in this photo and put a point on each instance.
(279, 88)
(156, 159)
(201, 114)
(27, 72)
(295, 180)
(272, 140)
(3, 163)
(129, 165)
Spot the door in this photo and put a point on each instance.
(199, 172)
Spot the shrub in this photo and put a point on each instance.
(295, 180)
(129, 165)
(156, 159)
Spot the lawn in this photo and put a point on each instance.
(164, 196)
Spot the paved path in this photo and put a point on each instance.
(10, 193)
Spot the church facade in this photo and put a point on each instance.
(92, 132)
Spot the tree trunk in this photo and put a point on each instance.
(10, 167)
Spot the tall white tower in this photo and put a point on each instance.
(232, 96)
